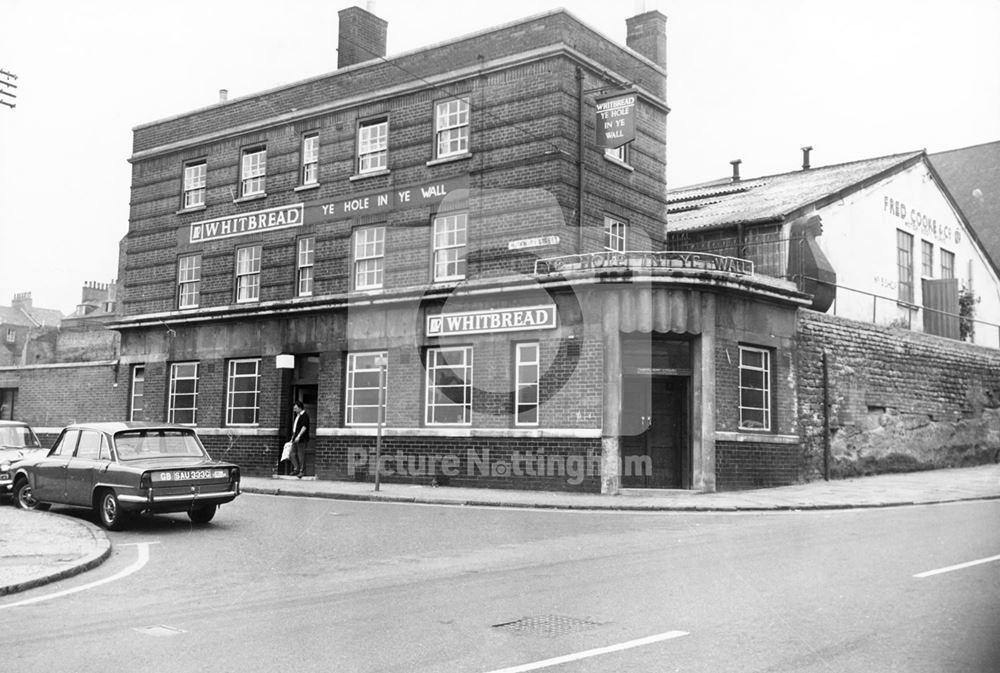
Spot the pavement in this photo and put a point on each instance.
(41, 547)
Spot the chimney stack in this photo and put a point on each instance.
(805, 157)
(362, 37)
(22, 300)
(647, 35)
(736, 169)
(223, 95)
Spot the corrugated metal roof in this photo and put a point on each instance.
(769, 198)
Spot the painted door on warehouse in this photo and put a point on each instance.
(654, 443)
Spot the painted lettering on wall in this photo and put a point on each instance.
(913, 219)
(453, 189)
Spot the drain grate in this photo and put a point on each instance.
(160, 630)
(548, 626)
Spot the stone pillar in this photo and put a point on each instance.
(611, 479)
(703, 400)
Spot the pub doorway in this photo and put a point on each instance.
(656, 393)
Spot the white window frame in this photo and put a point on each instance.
(189, 281)
(526, 370)
(183, 371)
(195, 180)
(253, 171)
(310, 159)
(233, 378)
(450, 234)
(926, 259)
(947, 270)
(369, 258)
(761, 414)
(373, 146)
(363, 365)
(615, 234)
(137, 392)
(11, 335)
(437, 362)
(619, 154)
(248, 263)
(451, 128)
(305, 263)
(904, 267)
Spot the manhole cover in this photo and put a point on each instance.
(160, 630)
(548, 626)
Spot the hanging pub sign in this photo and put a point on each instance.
(616, 120)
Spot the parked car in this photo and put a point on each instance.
(17, 441)
(120, 469)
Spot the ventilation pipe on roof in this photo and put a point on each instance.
(223, 95)
(736, 169)
(805, 157)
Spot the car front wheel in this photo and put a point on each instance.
(202, 513)
(109, 511)
(24, 498)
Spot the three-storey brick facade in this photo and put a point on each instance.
(437, 234)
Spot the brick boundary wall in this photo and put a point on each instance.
(743, 465)
(482, 462)
(899, 400)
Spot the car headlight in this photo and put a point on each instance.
(5, 466)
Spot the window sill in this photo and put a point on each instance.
(747, 435)
(617, 162)
(448, 160)
(305, 188)
(254, 197)
(373, 174)
(192, 209)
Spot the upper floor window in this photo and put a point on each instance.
(369, 254)
(449, 386)
(904, 264)
(449, 246)
(926, 259)
(373, 146)
(138, 391)
(755, 388)
(305, 259)
(188, 281)
(248, 273)
(11, 335)
(310, 159)
(619, 154)
(243, 392)
(252, 171)
(182, 402)
(615, 235)
(451, 127)
(947, 264)
(194, 183)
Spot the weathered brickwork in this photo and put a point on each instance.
(899, 400)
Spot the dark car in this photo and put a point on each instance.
(119, 469)
(17, 441)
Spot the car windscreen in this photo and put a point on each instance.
(140, 444)
(20, 437)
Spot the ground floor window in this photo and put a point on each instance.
(182, 405)
(243, 396)
(363, 383)
(526, 385)
(449, 386)
(755, 388)
(138, 388)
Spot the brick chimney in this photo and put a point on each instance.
(647, 35)
(21, 300)
(362, 36)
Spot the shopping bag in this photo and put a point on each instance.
(286, 451)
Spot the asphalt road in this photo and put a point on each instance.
(295, 584)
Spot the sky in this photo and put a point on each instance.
(746, 79)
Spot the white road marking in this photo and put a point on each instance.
(143, 549)
(959, 566)
(555, 661)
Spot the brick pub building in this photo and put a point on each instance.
(441, 229)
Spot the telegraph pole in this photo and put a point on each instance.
(6, 86)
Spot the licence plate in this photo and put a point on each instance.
(189, 475)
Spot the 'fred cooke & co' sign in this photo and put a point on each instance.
(616, 120)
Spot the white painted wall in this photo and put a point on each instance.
(859, 238)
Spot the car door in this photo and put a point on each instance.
(50, 472)
(86, 467)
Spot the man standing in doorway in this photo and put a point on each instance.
(300, 439)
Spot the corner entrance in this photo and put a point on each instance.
(654, 443)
